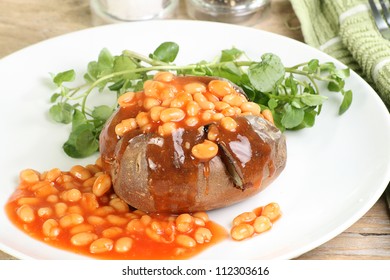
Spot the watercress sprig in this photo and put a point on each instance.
(291, 93)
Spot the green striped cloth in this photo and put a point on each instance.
(346, 30)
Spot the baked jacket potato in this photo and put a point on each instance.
(154, 172)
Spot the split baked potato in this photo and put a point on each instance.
(188, 143)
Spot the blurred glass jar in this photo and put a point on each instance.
(114, 11)
(231, 11)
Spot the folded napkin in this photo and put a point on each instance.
(346, 30)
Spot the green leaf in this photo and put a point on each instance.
(78, 119)
(292, 84)
(292, 117)
(265, 75)
(272, 104)
(334, 86)
(82, 142)
(102, 112)
(230, 55)
(347, 100)
(313, 100)
(166, 52)
(105, 59)
(66, 76)
(313, 66)
(342, 73)
(123, 63)
(61, 112)
(54, 97)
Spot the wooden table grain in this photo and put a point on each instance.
(26, 22)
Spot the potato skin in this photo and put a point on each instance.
(154, 174)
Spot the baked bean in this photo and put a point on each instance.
(93, 168)
(167, 128)
(262, 224)
(205, 151)
(220, 88)
(123, 244)
(142, 119)
(192, 108)
(199, 222)
(101, 185)
(152, 88)
(258, 210)
(229, 124)
(83, 238)
(181, 100)
(246, 217)
(267, 114)
(75, 209)
(185, 241)
(242, 231)
(116, 220)
(233, 100)
(211, 97)
(150, 102)
(217, 117)
(126, 99)
(53, 198)
(229, 112)
(39, 185)
(202, 215)
(155, 113)
(88, 184)
(145, 220)
(29, 200)
(45, 212)
(202, 235)
(26, 213)
(195, 87)
(184, 222)
(101, 245)
(89, 201)
(60, 209)
(71, 195)
(50, 228)
(191, 121)
(96, 220)
(29, 176)
(212, 133)
(104, 211)
(138, 212)
(156, 226)
(112, 232)
(252, 107)
(203, 102)
(70, 185)
(53, 174)
(153, 234)
(125, 126)
(272, 211)
(172, 115)
(163, 77)
(207, 115)
(220, 105)
(81, 228)
(119, 205)
(135, 225)
(71, 220)
(80, 172)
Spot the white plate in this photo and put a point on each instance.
(335, 171)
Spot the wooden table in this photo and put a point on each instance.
(25, 22)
